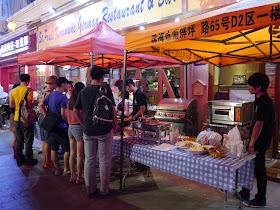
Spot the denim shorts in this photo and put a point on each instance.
(75, 132)
(45, 136)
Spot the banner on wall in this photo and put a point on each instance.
(118, 14)
(26, 42)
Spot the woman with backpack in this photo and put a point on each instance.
(75, 133)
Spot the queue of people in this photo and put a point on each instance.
(79, 132)
(83, 127)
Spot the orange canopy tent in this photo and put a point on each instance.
(244, 32)
(101, 46)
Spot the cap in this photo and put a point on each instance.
(51, 79)
(62, 80)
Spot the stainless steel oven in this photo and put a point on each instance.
(230, 112)
(181, 112)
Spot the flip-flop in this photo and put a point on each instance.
(66, 173)
(80, 181)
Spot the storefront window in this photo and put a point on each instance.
(152, 76)
(173, 75)
(39, 80)
(130, 74)
(10, 7)
(14, 78)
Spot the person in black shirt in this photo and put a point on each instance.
(94, 136)
(261, 133)
(139, 109)
(139, 101)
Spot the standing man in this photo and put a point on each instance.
(94, 136)
(56, 103)
(139, 109)
(139, 101)
(260, 136)
(45, 137)
(23, 133)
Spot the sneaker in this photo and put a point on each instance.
(92, 195)
(31, 161)
(105, 196)
(255, 203)
(20, 161)
(242, 196)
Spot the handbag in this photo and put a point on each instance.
(27, 115)
(50, 121)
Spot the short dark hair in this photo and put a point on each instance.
(97, 72)
(24, 77)
(62, 80)
(73, 98)
(259, 79)
(118, 83)
(126, 92)
(128, 82)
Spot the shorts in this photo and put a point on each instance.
(45, 136)
(75, 132)
(60, 137)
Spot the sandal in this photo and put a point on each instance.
(66, 173)
(48, 164)
(73, 179)
(80, 180)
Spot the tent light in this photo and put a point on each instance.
(52, 10)
(141, 28)
(41, 67)
(66, 67)
(177, 19)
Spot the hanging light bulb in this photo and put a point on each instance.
(12, 25)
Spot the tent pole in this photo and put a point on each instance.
(219, 77)
(18, 70)
(91, 60)
(122, 119)
(186, 83)
(102, 61)
(270, 29)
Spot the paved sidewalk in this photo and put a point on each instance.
(28, 187)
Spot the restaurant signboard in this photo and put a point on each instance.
(26, 42)
(118, 14)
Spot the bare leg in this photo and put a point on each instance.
(80, 159)
(55, 162)
(14, 144)
(73, 153)
(44, 149)
(47, 152)
(66, 161)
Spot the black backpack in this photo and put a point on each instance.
(103, 114)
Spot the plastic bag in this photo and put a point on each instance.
(209, 138)
(174, 136)
(234, 143)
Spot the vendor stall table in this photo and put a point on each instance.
(216, 172)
